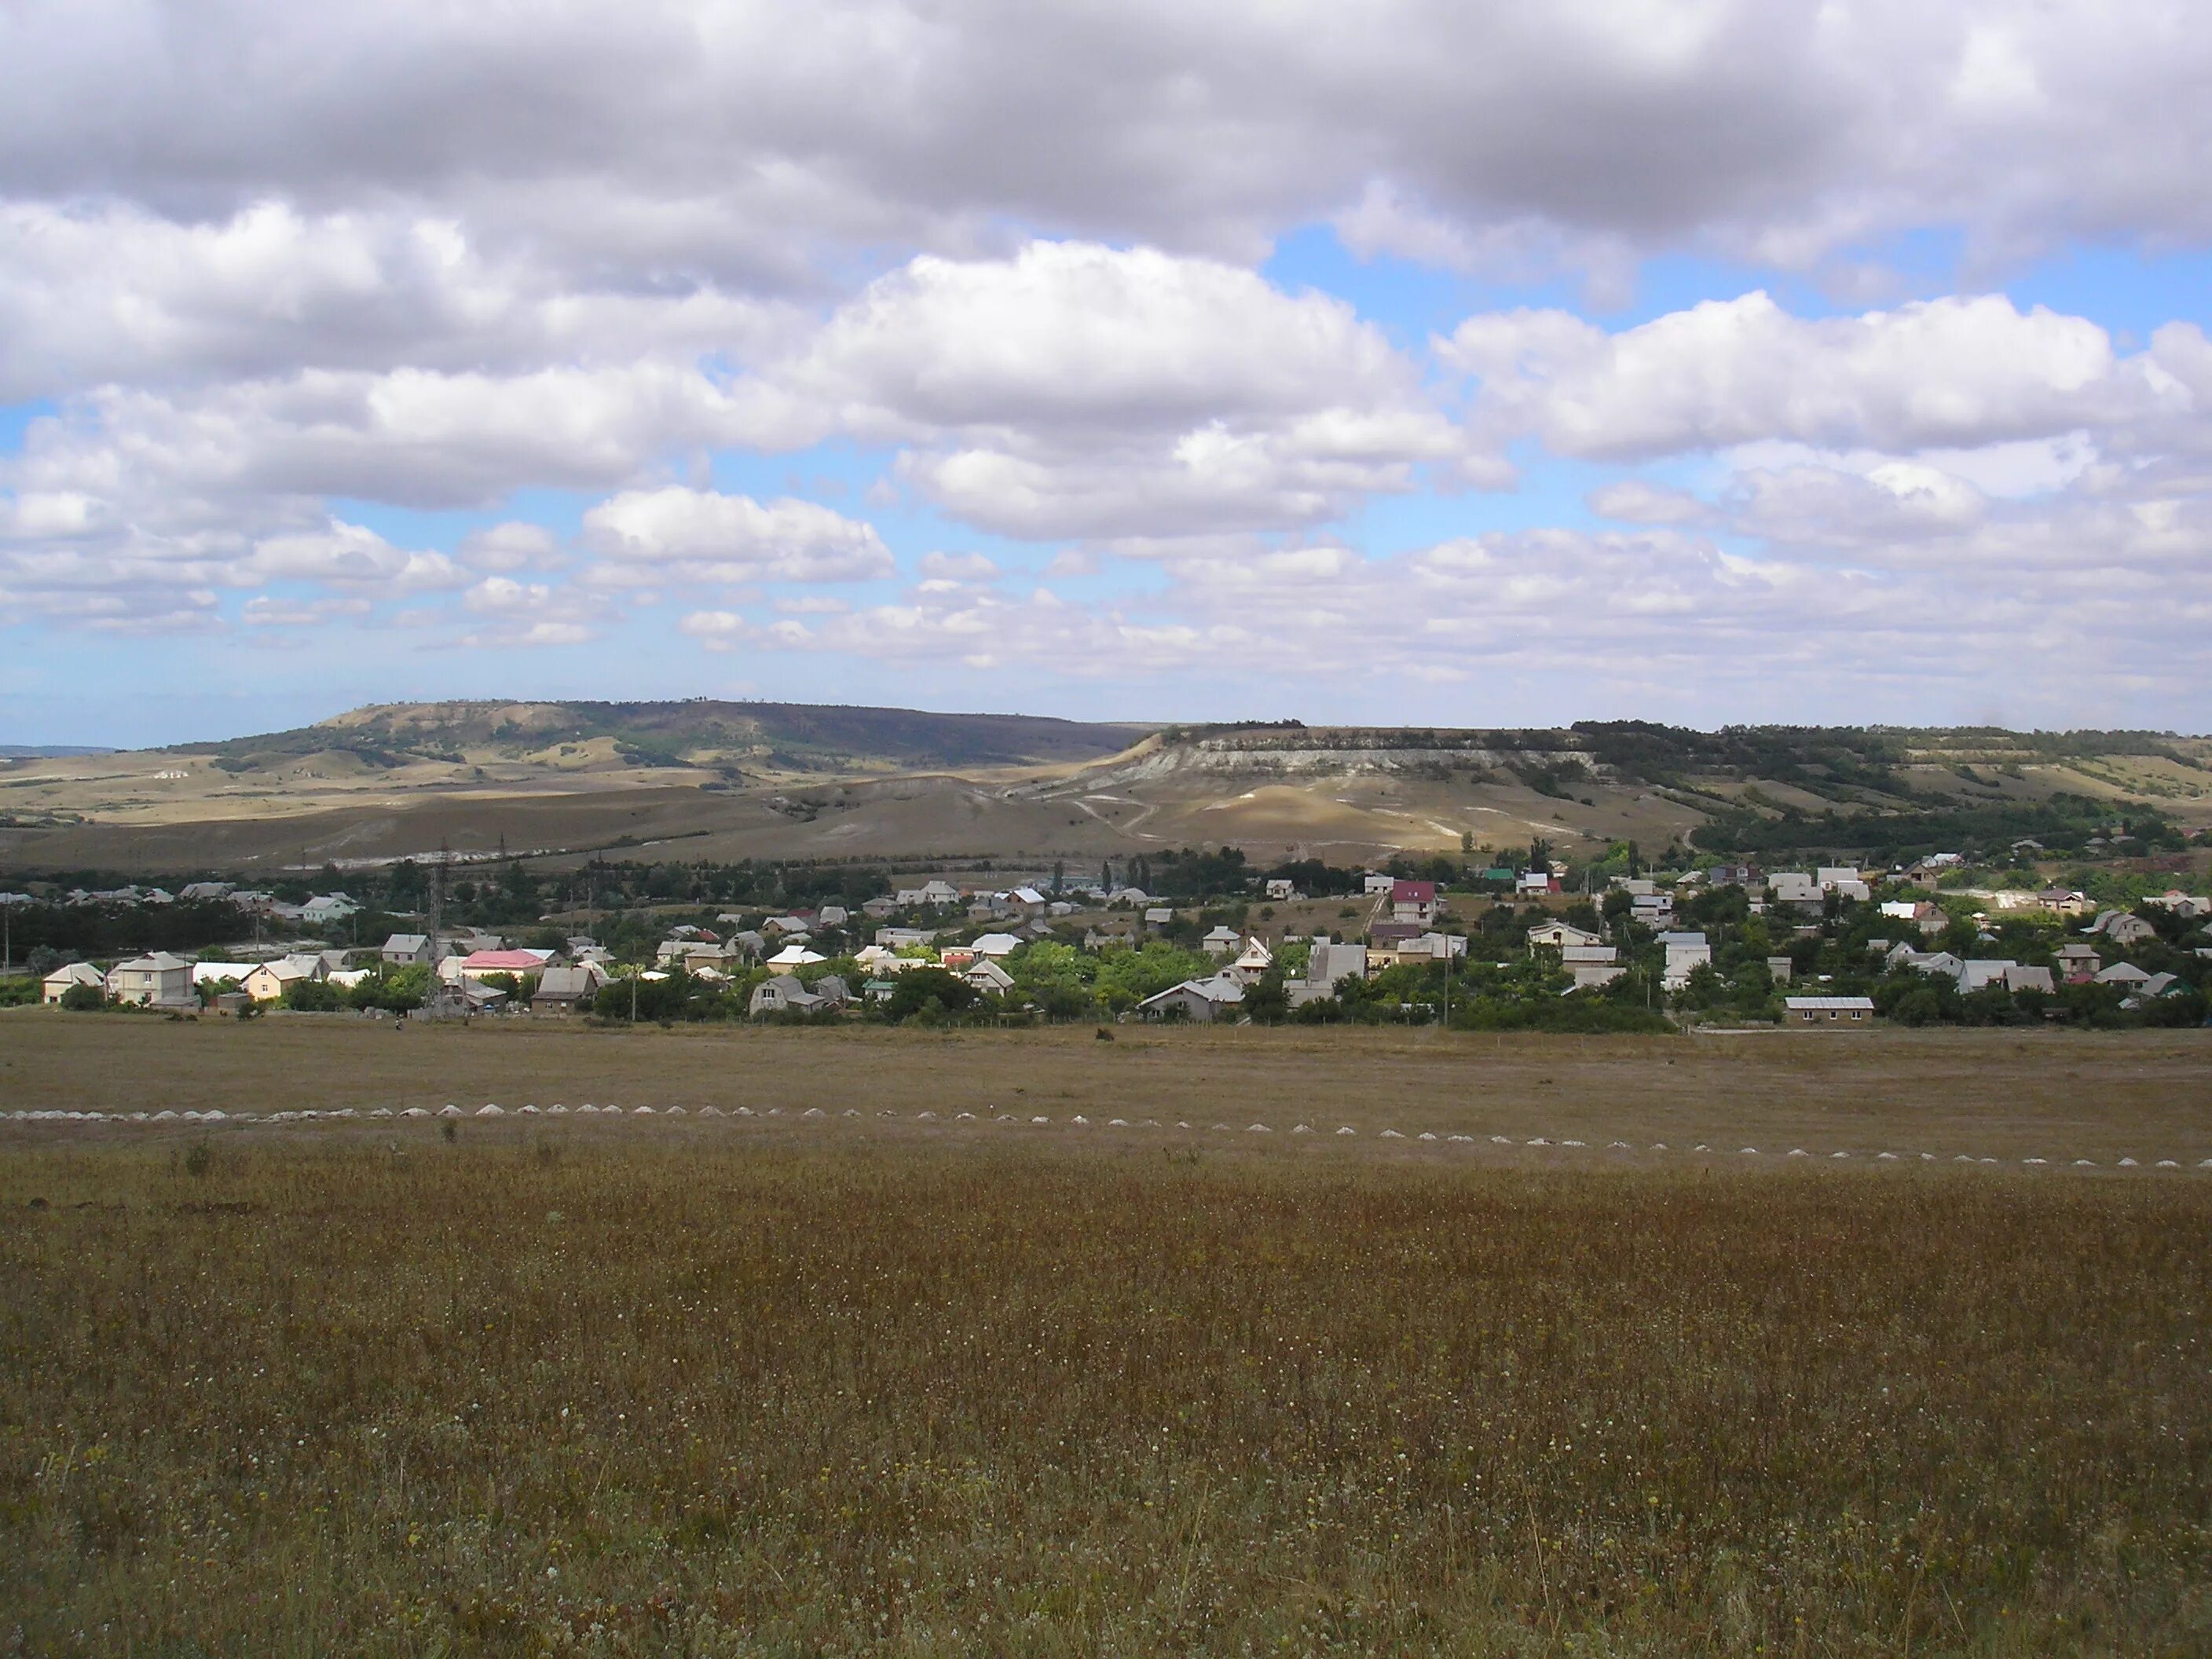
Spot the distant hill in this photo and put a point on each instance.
(734, 736)
(49, 750)
(722, 781)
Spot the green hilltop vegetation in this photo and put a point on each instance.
(766, 736)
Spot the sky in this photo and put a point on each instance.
(1429, 361)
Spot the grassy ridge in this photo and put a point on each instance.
(541, 1390)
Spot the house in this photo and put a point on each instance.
(2123, 929)
(1937, 965)
(219, 973)
(1200, 1000)
(928, 894)
(832, 991)
(876, 960)
(876, 909)
(563, 990)
(159, 981)
(1636, 886)
(1029, 898)
(1534, 883)
(903, 938)
(797, 923)
(997, 946)
(792, 958)
(1430, 946)
(986, 975)
(1221, 941)
(1559, 935)
(691, 956)
(328, 907)
(2125, 975)
(1283, 888)
(66, 978)
(2182, 904)
(1652, 910)
(782, 995)
(2078, 963)
(405, 950)
(1826, 1011)
(1253, 960)
(200, 892)
(268, 981)
(2023, 976)
(1326, 966)
(1592, 965)
(1733, 875)
(1781, 969)
(2158, 985)
(1797, 887)
(1135, 897)
(1414, 900)
(832, 915)
(1372, 883)
(1685, 952)
(1159, 915)
(477, 963)
(1976, 973)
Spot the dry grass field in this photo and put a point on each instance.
(869, 1385)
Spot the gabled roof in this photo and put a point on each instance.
(502, 961)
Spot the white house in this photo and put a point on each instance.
(1560, 935)
(327, 908)
(1372, 884)
(159, 981)
(219, 973)
(1221, 941)
(996, 946)
(1202, 1001)
(929, 893)
(792, 958)
(66, 978)
(1685, 952)
(1254, 959)
(986, 975)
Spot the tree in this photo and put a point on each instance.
(84, 998)
(1266, 1001)
(924, 990)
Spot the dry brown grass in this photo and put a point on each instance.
(548, 1389)
(2006, 1094)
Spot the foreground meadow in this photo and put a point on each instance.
(536, 1389)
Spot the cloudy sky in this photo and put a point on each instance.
(1422, 361)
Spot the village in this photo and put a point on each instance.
(1490, 946)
